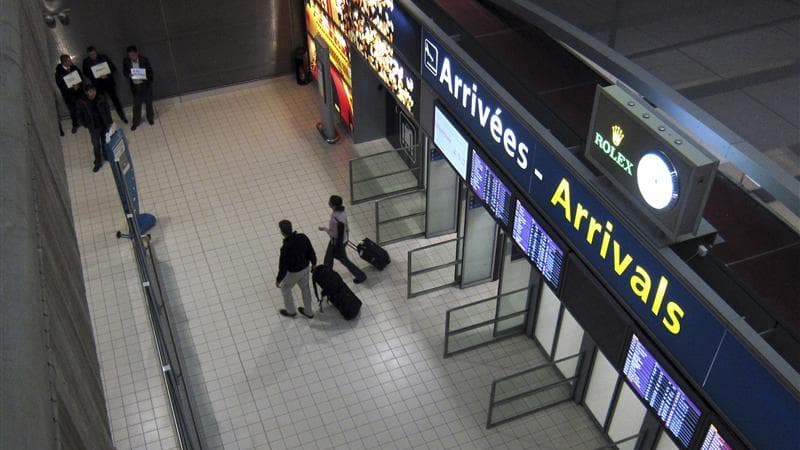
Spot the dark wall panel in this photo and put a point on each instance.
(192, 45)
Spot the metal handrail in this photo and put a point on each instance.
(179, 399)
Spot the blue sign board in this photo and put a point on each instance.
(124, 177)
(665, 306)
(678, 319)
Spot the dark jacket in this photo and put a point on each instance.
(94, 114)
(144, 63)
(100, 83)
(65, 91)
(296, 253)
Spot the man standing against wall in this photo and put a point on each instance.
(100, 71)
(68, 80)
(293, 268)
(139, 73)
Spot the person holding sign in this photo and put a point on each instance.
(68, 80)
(95, 115)
(139, 73)
(100, 71)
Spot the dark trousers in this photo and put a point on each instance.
(142, 93)
(340, 252)
(111, 93)
(98, 142)
(71, 100)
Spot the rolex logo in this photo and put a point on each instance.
(617, 135)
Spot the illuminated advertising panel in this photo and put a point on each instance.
(373, 33)
(319, 23)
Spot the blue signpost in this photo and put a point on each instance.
(119, 155)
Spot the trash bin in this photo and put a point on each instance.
(301, 66)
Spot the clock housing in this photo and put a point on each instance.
(660, 171)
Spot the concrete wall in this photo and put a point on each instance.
(51, 394)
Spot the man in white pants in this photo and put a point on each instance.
(293, 268)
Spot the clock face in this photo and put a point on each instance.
(657, 180)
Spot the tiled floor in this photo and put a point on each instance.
(220, 171)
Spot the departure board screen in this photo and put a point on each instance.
(714, 441)
(538, 245)
(656, 387)
(488, 187)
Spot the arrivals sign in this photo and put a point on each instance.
(662, 302)
(714, 357)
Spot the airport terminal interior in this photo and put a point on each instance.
(500, 322)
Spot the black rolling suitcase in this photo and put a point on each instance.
(337, 292)
(372, 253)
(346, 302)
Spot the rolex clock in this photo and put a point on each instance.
(660, 171)
(657, 180)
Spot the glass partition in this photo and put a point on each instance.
(471, 326)
(480, 238)
(516, 275)
(383, 174)
(442, 191)
(432, 267)
(532, 390)
(400, 217)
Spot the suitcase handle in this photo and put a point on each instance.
(353, 246)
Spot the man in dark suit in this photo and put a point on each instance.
(99, 70)
(70, 90)
(95, 115)
(139, 73)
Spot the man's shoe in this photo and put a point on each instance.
(134, 126)
(303, 312)
(97, 167)
(359, 280)
(151, 121)
(286, 313)
(124, 120)
(74, 129)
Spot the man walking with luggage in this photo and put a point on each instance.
(339, 233)
(293, 268)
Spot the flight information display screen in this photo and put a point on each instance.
(450, 141)
(714, 441)
(538, 245)
(661, 392)
(488, 187)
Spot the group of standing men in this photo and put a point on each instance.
(84, 93)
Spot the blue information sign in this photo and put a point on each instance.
(125, 178)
